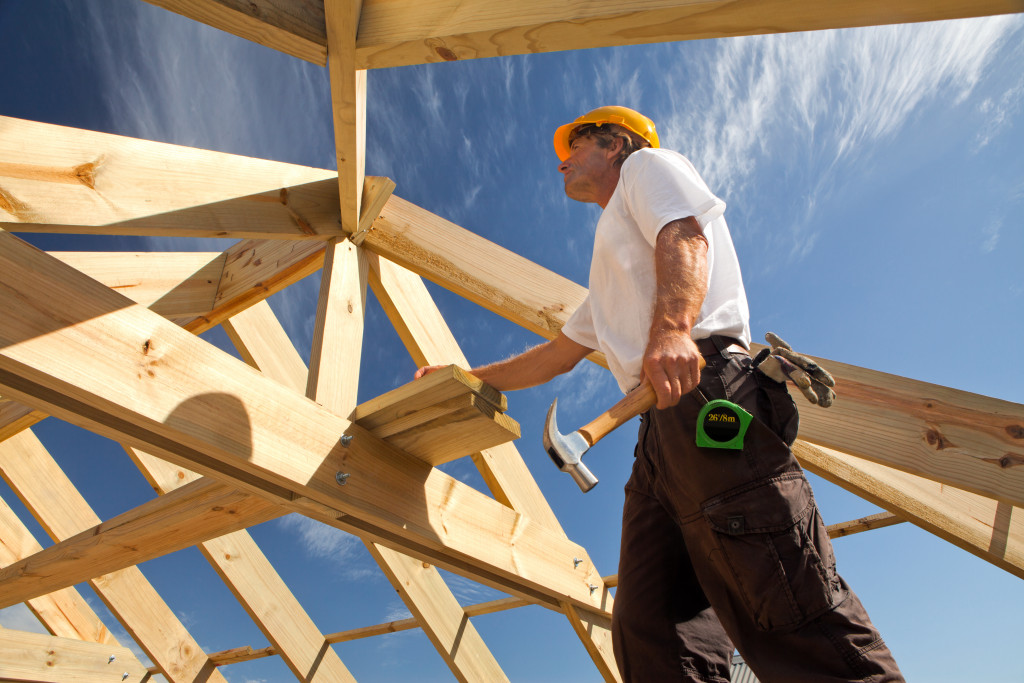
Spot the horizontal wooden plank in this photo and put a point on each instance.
(125, 372)
(49, 659)
(403, 32)
(857, 526)
(437, 387)
(59, 179)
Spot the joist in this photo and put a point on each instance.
(153, 386)
(36, 658)
(992, 530)
(399, 33)
(46, 491)
(64, 613)
(67, 180)
(968, 441)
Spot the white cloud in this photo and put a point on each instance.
(321, 541)
(990, 233)
(804, 109)
(20, 618)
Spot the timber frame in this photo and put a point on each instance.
(107, 342)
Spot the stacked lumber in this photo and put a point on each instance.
(445, 415)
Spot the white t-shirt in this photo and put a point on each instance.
(656, 187)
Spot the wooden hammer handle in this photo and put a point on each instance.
(631, 405)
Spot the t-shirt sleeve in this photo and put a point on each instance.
(580, 326)
(659, 190)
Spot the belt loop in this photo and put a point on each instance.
(721, 343)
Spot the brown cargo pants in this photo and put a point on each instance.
(724, 547)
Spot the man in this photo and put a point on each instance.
(719, 547)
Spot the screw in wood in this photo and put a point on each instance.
(346, 440)
(576, 562)
(341, 478)
(592, 588)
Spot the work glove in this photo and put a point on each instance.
(782, 363)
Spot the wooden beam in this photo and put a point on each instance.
(64, 613)
(63, 513)
(439, 614)
(426, 335)
(968, 441)
(401, 33)
(338, 330)
(15, 417)
(856, 526)
(334, 385)
(36, 658)
(295, 27)
(171, 284)
(256, 330)
(396, 33)
(992, 530)
(348, 105)
(127, 373)
(258, 588)
(473, 267)
(58, 179)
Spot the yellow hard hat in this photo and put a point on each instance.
(623, 116)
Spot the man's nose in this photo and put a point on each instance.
(563, 167)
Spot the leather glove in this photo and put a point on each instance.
(782, 363)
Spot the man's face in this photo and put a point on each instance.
(589, 172)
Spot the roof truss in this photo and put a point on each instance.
(74, 346)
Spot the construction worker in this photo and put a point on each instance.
(720, 548)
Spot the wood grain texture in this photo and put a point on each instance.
(50, 659)
(171, 284)
(335, 385)
(404, 32)
(64, 613)
(295, 27)
(59, 179)
(55, 502)
(992, 530)
(972, 442)
(125, 372)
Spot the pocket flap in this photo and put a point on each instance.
(768, 506)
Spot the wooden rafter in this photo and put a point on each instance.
(41, 484)
(64, 613)
(259, 589)
(992, 530)
(50, 659)
(419, 584)
(398, 33)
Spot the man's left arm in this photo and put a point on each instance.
(671, 360)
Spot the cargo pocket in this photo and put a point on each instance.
(778, 554)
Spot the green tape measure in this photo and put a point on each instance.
(722, 424)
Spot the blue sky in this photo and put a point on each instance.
(875, 188)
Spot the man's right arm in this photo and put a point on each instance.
(530, 368)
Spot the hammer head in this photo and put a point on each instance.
(567, 451)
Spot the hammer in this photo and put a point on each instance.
(566, 450)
